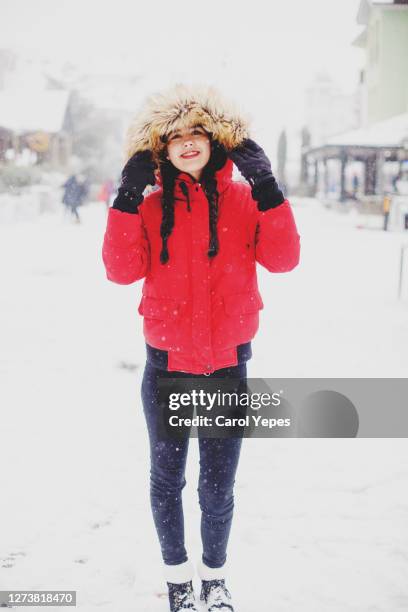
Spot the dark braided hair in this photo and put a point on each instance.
(169, 173)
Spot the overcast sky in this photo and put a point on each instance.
(263, 53)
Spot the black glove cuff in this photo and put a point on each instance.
(267, 194)
(127, 200)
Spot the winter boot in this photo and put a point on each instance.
(179, 580)
(181, 597)
(214, 592)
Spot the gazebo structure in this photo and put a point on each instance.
(375, 146)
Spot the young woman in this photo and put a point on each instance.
(195, 240)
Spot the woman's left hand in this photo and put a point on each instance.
(255, 167)
(252, 162)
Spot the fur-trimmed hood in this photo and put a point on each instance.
(180, 107)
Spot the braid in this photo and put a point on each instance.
(216, 162)
(168, 173)
(210, 188)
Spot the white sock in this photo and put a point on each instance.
(182, 572)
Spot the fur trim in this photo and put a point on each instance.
(180, 107)
(211, 573)
(177, 574)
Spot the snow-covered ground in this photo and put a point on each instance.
(320, 525)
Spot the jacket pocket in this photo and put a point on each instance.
(243, 303)
(159, 308)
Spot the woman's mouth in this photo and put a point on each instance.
(190, 154)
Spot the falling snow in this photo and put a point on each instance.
(74, 433)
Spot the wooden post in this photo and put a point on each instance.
(370, 175)
(380, 162)
(326, 176)
(343, 163)
(316, 177)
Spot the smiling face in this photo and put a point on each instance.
(189, 150)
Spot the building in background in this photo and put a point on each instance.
(35, 130)
(363, 163)
(34, 113)
(56, 117)
(384, 41)
(328, 110)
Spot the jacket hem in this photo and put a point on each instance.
(176, 362)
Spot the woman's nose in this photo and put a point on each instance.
(188, 142)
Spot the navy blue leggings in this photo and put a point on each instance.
(218, 464)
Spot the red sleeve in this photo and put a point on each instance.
(125, 250)
(277, 240)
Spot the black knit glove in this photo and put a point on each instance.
(255, 167)
(136, 175)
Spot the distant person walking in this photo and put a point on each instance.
(356, 185)
(76, 190)
(106, 192)
(386, 210)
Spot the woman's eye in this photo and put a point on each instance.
(194, 132)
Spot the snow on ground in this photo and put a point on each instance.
(319, 526)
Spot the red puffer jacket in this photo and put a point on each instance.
(195, 307)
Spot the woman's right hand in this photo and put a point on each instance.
(139, 172)
(136, 175)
